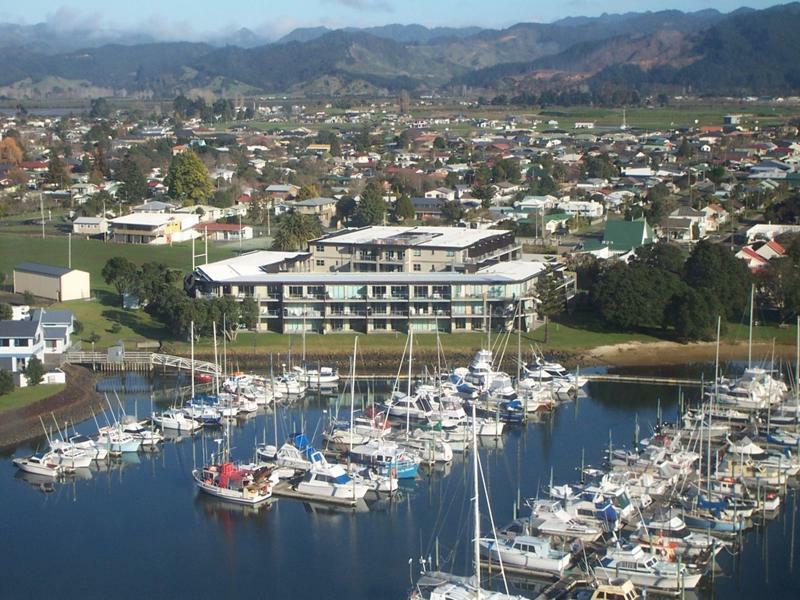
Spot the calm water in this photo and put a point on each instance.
(140, 530)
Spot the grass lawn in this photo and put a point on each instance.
(28, 395)
(100, 314)
(91, 255)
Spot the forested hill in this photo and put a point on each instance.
(743, 52)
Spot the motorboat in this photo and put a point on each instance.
(46, 464)
(83, 443)
(387, 458)
(322, 377)
(529, 553)
(296, 453)
(330, 480)
(176, 419)
(435, 585)
(428, 450)
(643, 569)
(667, 535)
(117, 440)
(71, 457)
(549, 518)
(401, 406)
(141, 430)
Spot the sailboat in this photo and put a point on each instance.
(176, 419)
(437, 585)
(240, 484)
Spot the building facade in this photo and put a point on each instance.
(476, 288)
(412, 249)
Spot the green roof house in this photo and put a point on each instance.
(623, 236)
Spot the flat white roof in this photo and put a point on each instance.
(246, 266)
(517, 270)
(436, 237)
(152, 219)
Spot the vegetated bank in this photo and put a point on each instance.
(74, 403)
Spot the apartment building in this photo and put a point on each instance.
(412, 249)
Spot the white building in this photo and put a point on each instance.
(581, 208)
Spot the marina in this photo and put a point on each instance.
(423, 523)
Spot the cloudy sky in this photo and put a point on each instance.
(189, 19)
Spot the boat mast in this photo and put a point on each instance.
(191, 338)
(750, 334)
(476, 543)
(216, 363)
(797, 372)
(711, 406)
(408, 393)
(353, 393)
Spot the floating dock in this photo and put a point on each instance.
(284, 489)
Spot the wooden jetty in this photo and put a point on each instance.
(646, 379)
(138, 361)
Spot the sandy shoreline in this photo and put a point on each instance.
(672, 353)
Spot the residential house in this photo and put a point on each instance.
(155, 207)
(20, 341)
(427, 209)
(322, 208)
(154, 228)
(581, 208)
(442, 192)
(768, 231)
(715, 217)
(90, 226)
(57, 329)
(622, 237)
(225, 232)
(282, 191)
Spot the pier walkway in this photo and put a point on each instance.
(138, 361)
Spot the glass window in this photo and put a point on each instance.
(417, 252)
(450, 253)
(417, 267)
(320, 248)
(320, 263)
(295, 291)
(21, 342)
(5, 342)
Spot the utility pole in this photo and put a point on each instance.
(41, 211)
(69, 250)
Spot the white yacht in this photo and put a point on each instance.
(177, 420)
(415, 408)
(645, 570)
(323, 377)
(328, 480)
(46, 464)
(526, 552)
(117, 440)
(549, 518)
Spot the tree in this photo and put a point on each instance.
(6, 312)
(248, 310)
(99, 109)
(786, 211)
(134, 183)
(34, 371)
(404, 208)
(551, 298)
(439, 143)
(121, 273)
(308, 191)
(661, 255)
(57, 173)
(715, 268)
(294, 231)
(371, 208)
(693, 314)
(11, 151)
(452, 211)
(345, 208)
(187, 180)
(484, 193)
(6, 382)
